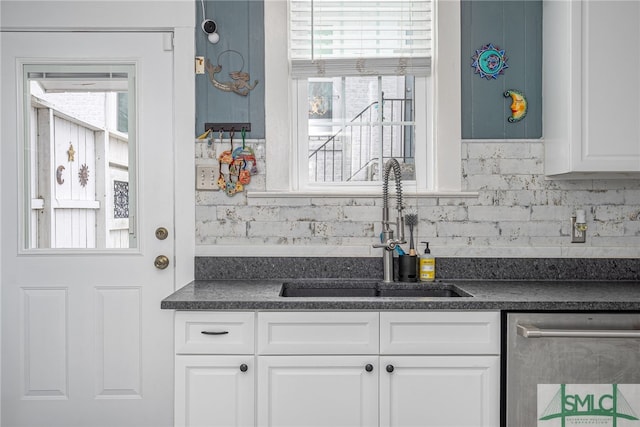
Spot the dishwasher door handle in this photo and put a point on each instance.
(530, 331)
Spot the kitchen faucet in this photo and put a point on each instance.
(387, 242)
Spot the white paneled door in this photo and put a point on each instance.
(84, 342)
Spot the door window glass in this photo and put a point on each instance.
(79, 156)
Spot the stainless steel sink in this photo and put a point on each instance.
(369, 289)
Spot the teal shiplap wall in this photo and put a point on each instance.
(513, 25)
(516, 27)
(241, 29)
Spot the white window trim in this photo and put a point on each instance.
(445, 177)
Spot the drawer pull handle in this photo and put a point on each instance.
(243, 368)
(214, 332)
(369, 367)
(390, 368)
(530, 331)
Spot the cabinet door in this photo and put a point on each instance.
(590, 111)
(317, 391)
(430, 391)
(213, 391)
(611, 129)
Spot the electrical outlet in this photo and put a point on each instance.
(578, 231)
(206, 178)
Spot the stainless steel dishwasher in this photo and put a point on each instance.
(571, 369)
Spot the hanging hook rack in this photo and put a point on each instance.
(227, 127)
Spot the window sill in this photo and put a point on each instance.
(367, 194)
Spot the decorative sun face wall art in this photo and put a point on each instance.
(489, 61)
(83, 175)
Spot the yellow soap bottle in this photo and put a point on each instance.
(427, 265)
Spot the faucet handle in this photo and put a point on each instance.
(389, 245)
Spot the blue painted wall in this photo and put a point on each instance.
(516, 26)
(241, 29)
(513, 25)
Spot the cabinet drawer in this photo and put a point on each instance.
(440, 333)
(318, 333)
(214, 333)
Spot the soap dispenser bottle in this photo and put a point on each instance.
(427, 265)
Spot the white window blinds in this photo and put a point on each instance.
(330, 38)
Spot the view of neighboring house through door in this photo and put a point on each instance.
(79, 156)
(88, 229)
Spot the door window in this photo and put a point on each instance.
(79, 153)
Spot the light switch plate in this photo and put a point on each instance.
(199, 64)
(206, 177)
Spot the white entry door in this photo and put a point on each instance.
(84, 342)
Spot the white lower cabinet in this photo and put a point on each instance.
(341, 369)
(317, 391)
(215, 391)
(215, 369)
(439, 391)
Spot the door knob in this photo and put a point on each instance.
(161, 262)
(390, 368)
(162, 233)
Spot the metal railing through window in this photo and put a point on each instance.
(355, 151)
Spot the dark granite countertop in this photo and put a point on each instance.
(593, 295)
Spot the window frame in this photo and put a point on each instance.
(300, 149)
(441, 154)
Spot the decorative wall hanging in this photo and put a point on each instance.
(518, 105)
(489, 61)
(120, 199)
(240, 83)
(71, 153)
(83, 175)
(320, 100)
(59, 178)
(234, 166)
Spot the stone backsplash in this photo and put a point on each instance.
(517, 213)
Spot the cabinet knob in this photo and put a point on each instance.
(243, 368)
(369, 367)
(390, 368)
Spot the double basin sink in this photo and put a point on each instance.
(369, 289)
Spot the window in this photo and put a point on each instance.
(78, 166)
(354, 125)
(357, 98)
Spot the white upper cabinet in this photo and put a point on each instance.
(591, 113)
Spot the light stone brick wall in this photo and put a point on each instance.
(517, 213)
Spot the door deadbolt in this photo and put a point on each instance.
(162, 233)
(161, 262)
